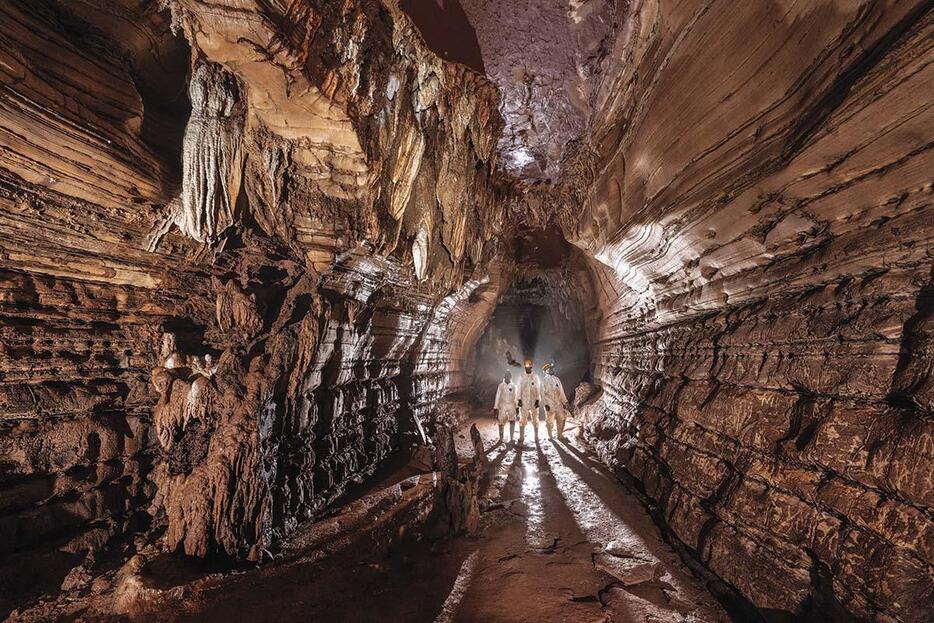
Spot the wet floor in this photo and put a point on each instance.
(560, 540)
(566, 542)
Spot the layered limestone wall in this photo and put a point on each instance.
(300, 405)
(211, 366)
(763, 223)
(82, 301)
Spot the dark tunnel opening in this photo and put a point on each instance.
(541, 315)
(536, 331)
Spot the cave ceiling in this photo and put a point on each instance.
(544, 56)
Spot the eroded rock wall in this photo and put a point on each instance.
(311, 392)
(368, 160)
(82, 301)
(763, 223)
(213, 324)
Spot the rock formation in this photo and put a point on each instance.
(762, 349)
(228, 357)
(247, 249)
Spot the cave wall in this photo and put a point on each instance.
(82, 299)
(309, 395)
(211, 367)
(369, 160)
(466, 321)
(761, 224)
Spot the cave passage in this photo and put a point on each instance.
(264, 264)
(527, 331)
(536, 322)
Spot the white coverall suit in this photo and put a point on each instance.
(529, 395)
(505, 402)
(554, 399)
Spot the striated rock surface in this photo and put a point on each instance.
(762, 218)
(210, 340)
(71, 117)
(82, 299)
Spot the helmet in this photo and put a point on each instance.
(528, 362)
(548, 366)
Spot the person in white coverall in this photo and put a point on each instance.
(505, 405)
(529, 399)
(555, 401)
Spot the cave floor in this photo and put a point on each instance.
(551, 510)
(559, 540)
(563, 540)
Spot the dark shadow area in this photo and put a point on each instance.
(29, 575)
(445, 28)
(332, 589)
(171, 569)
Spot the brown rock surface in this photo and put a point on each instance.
(248, 251)
(225, 390)
(761, 352)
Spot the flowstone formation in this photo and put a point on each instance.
(212, 160)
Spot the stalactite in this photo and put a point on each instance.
(212, 156)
